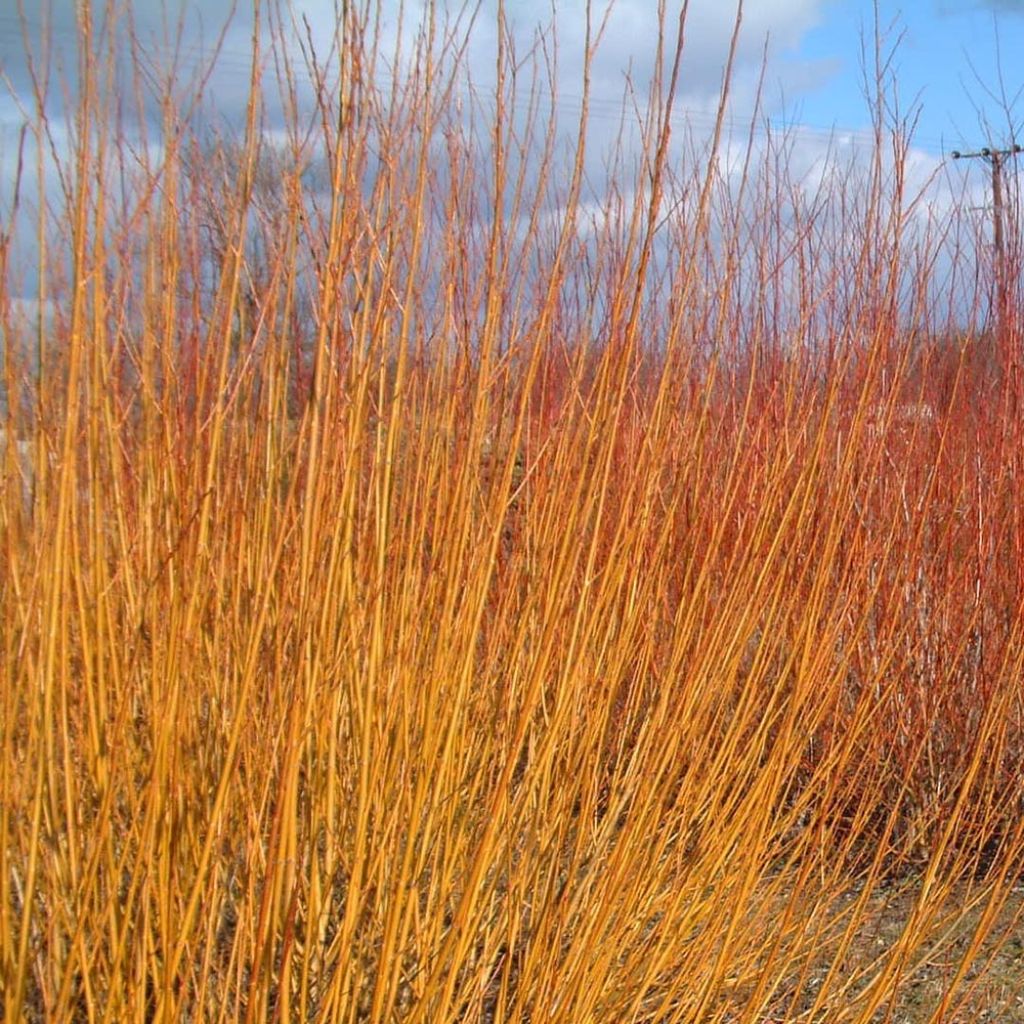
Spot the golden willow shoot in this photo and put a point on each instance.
(438, 587)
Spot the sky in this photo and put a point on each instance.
(947, 54)
(956, 59)
(953, 64)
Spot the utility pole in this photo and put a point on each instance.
(995, 159)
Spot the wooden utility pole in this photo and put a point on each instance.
(995, 159)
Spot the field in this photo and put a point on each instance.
(437, 588)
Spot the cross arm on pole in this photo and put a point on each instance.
(988, 153)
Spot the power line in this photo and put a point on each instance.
(237, 63)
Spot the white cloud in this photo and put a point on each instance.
(628, 45)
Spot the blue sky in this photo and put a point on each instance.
(814, 74)
(948, 60)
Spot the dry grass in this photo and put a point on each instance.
(433, 607)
